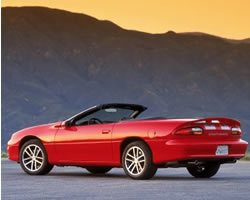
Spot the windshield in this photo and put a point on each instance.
(109, 115)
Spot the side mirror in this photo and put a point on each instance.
(67, 123)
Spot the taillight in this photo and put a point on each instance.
(189, 131)
(236, 131)
(197, 131)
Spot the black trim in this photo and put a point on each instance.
(123, 105)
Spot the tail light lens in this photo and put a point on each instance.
(190, 131)
(236, 131)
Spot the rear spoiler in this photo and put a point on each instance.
(210, 126)
(210, 121)
(214, 120)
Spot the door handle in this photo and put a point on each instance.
(105, 131)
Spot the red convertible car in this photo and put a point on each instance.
(109, 135)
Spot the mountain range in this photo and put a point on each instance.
(57, 63)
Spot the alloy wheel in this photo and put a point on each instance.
(32, 157)
(135, 160)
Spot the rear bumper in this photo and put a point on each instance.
(175, 150)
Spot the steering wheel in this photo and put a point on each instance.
(95, 120)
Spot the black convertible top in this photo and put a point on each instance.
(122, 105)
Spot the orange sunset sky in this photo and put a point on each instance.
(226, 18)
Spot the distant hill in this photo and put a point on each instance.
(246, 40)
(57, 63)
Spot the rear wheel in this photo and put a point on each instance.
(137, 161)
(99, 170)
(206, 171)
(33, 158)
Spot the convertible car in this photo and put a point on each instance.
(109, 135)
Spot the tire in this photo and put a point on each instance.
(34, 164)
(98, 170)
(207, 171)
(137, 161)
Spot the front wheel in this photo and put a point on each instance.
(33, 158)
(206, 171)
(137, 161)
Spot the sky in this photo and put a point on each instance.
(225, 18)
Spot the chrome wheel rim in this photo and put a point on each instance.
(32, 157)
(135, 160)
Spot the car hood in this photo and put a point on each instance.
(40, 131)
(39, 126)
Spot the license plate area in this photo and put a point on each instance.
(222, 150)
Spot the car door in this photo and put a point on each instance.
(86, 143)
(86, 137)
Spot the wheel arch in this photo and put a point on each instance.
(25, 139)
(127, 141)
